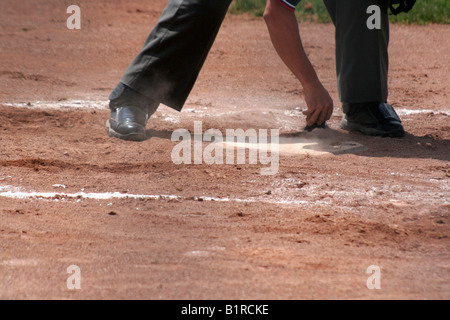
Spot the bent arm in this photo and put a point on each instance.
(285, 35)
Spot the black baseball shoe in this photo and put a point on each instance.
(373, 119)
(127, 123)
(130, 112)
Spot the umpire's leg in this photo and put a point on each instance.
(168, 65)
(361, 53)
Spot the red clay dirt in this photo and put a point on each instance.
(309, 232)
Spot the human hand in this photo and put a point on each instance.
(320, 105)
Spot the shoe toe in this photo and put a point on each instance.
(127, 128)
(392, 129)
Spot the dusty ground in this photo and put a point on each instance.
(308, 232)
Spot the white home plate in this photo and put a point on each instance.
(318, 147)
(307, 145)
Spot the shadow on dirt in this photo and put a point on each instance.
(410, 146)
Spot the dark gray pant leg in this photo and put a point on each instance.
(168, 65)
(361, 54)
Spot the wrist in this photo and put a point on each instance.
(311, 83)
(308, 78)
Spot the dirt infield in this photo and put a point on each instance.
(141, 227)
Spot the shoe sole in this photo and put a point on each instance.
(127, 137)
(349, 126)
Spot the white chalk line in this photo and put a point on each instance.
(100, 104)
(12, 193)
(65, 104)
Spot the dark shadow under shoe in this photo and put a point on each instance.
(373, 119)
(315, 126)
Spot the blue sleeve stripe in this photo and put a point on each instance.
(291, 4)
